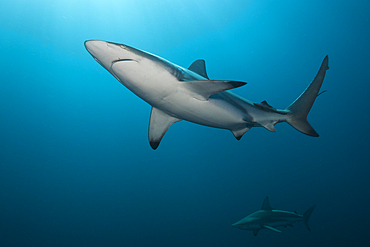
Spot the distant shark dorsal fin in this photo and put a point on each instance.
(158, 125)
(199, 67)
(205, 88)
(271, 228)
(266, 204)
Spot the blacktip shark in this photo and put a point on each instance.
(177, 93)
(269, 218)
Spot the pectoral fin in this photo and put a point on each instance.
(158, 125)
(271, 228)
(203, 89)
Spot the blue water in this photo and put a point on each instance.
(76, 166)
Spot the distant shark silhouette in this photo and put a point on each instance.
(176, 93)
(268, 218)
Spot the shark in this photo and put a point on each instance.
(176, 93)
(269, 218)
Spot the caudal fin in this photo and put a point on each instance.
(306, 216)
(300, 108)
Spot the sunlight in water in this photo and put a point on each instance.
(62, 21)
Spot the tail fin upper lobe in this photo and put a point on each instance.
(300, 108)
(306, 216)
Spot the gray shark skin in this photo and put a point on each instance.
(177, 93)
(269, 218)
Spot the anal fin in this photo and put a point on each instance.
(158, 125)
(239, 133)
(270, 125)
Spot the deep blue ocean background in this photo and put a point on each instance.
(76, 166)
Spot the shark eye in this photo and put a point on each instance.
(123, 47)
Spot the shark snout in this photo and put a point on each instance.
(95, 47)
(236, 225)
(100, 51)
(106, 53)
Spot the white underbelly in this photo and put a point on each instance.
(213, 112)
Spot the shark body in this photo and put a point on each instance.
(176, 93)
(269, 218)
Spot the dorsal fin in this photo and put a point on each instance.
(199, 67)
(266, 205)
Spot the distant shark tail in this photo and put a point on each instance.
(300, 108)
(307, 215)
